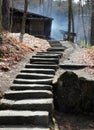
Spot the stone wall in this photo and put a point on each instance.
(73, 94)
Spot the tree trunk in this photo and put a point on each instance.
(0, 14)
(73, 30)
(70, 22)
(11, 17)
(41, 6)
(49, 7)
(69, 18)
(6, 14)
(83, 24)
(92, 24)
(24, 19)
(72, 19)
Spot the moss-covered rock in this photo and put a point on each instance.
(67, 93)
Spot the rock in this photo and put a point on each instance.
(91, 125)
(87, 95)
(67, 93)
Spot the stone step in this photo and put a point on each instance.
(27, 94)
(54, 41)
(72, 66)
(56, 49)
(56, 45)
(42, 66)
(55, 52)
(50, 53)
(40, 71)
(31, 87)
(34, 76)
(28, 104)
(32, 118)
(44, 60)
(33, 81)
(45, 56)
(22, 128)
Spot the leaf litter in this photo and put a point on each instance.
(12, 50)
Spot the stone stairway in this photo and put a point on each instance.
(28, 105)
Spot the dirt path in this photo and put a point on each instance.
(65, 121)
(37, 44)
(74, 56)
(6, 78)
(75, 121)
(68, 121)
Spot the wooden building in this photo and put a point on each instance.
(36, 24)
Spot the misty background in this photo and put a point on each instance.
(59, 13)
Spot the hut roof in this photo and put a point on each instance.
(29, 14)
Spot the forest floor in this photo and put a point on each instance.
(14, 55)
(77, 55)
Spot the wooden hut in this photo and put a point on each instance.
(36, 24)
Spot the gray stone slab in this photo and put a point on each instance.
(32, 118)
(28, 104)
(28, 94)
(45, 56)
(45, 60)
(31, 87)
(49, 53)
(54, 41)
(72, 66)
(36, 70)
(56, 49)
(45, 53)
(34, 76)
(22, 128)
(42, 66)
(31, 81)
(56, 45)
(55, 52)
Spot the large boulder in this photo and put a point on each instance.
(67, 93)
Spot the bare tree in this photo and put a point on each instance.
(11, 20)
(49, 11)
(92, 23)
(24, 19)
(41, 6)
(69, 17)
(6, 14)
(0, 14)
(44, 7)
(70, 22)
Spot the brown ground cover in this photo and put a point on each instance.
(13, 57)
